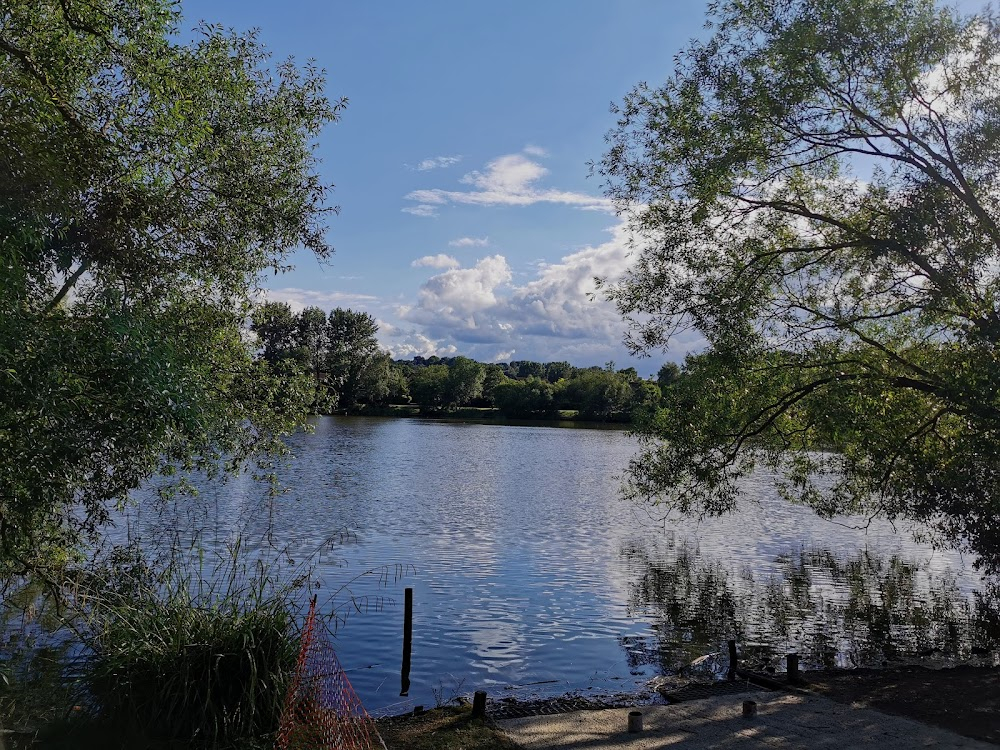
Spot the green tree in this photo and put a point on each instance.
(629, 374)
(465, 381)
(146, 183)
(311, 347)
(357, 369)
(817, 190)
(598, 394)
(429, 386)
(492, 377)
(528, 398)
(667, 375)
(527, 369)
(645, 397)
(276, 327)
(556, 371)
(398, 386)
(311, 337)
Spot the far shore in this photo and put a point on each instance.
(485, 415)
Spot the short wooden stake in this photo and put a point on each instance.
(733, 660)
(749, 709)
(634, 721)
(792, 662)
(418, 710)
(407, 641)
(479, 704)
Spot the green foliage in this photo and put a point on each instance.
(340, 352)
(465, 381)
(531, 398)
(598, 394)
(429, 386)
(276, 327)
(524, 369)
(398, 386)
(667, 375)
(172, 657)
(145, 185)
(312, 337)
(816, 191)
(644, 399)
(556, 371)
(492, 377)
(356, 369)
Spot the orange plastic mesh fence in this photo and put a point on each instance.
(322, 711)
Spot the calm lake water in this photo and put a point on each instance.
(531, 576)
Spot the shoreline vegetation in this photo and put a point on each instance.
(485, 415)
(335, 361)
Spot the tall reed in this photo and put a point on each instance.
(184, 653)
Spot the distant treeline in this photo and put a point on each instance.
(349, 371)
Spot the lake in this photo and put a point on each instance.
(532, 578)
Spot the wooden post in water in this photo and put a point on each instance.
(479, 704)
(407, 641)
(792, 662)
(733, 660)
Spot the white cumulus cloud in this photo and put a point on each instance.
(407, 344)
(463, 291)
(509, 180)
(298, 299)
(437, 162)
(436, 261)
(420, 210)
(507, 174)
(556, 314)
(470, 242)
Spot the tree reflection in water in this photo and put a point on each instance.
(866, 610)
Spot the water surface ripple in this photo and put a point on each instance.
(531, 576)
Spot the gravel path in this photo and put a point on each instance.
(783, 721)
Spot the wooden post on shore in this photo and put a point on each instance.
(407, 641)
(792, 662)
(733, 661)
(634, 721)
(479, 704)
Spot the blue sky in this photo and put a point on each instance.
(468, 222)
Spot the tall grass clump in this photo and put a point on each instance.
(184, 653)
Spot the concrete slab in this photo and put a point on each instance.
(783, 722)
